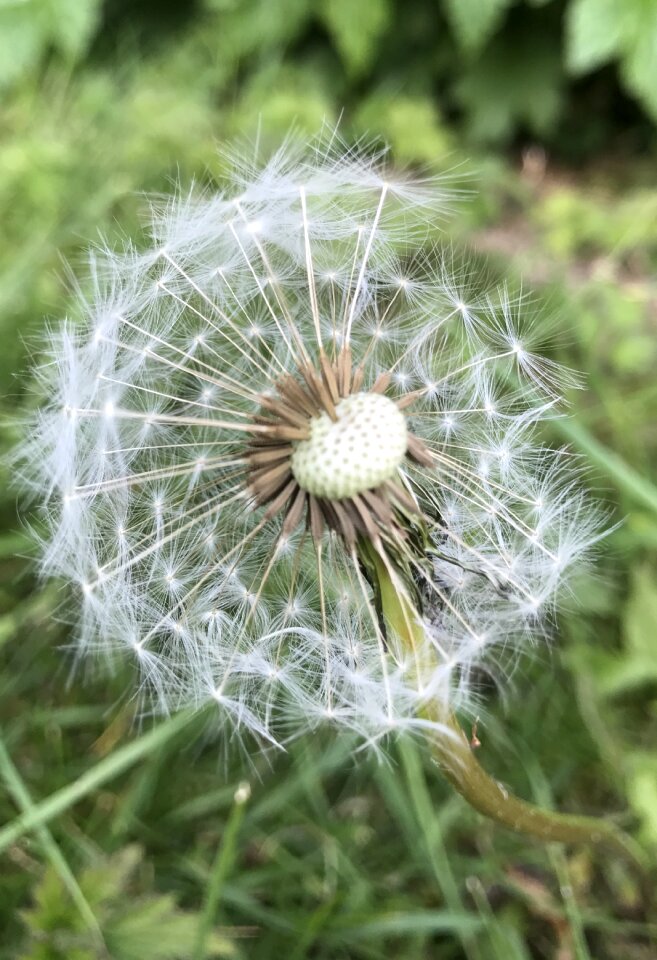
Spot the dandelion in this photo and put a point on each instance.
(290, 464)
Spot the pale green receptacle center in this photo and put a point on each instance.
(359, 451)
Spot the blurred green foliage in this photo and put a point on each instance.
(29, 29)
(552, 104)
(501, 67)
(133, 923)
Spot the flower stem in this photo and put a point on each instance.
(456, 758)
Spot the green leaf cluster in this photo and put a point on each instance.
(29, 29)
(134, 922)
(621, 31)
(497, 68)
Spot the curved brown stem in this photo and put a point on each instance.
(459, 765)
(457, 760)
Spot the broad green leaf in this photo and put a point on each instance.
(356, 28)
(475, 21)
(107, 879)
(155, 929)
(29, 27)
(276, 99)
(72, 24)
(411, 126)
(596, 31)
(136, 924)
(256, 26)
(22, 39)
(512, 85)
(639, 68)
(600, 30)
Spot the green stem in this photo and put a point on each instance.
(456, 757)
(223, 864)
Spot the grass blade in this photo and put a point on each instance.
(221, 868)
(628, 480)
(111, 766)
(21, 795)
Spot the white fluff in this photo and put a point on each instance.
(135, 454)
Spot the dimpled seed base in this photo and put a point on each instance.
(358, 452)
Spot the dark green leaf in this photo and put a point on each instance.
(475, 21)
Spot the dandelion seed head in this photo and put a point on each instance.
(359, 451)
(291, 370)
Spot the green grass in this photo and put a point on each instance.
(129, 843)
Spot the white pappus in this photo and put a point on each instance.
(293, 368)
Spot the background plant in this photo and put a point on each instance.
(328, 859)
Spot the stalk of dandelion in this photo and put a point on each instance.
(454, 753)
(289, 462)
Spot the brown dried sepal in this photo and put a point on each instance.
(285, 418)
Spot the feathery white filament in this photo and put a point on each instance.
(152, 399)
